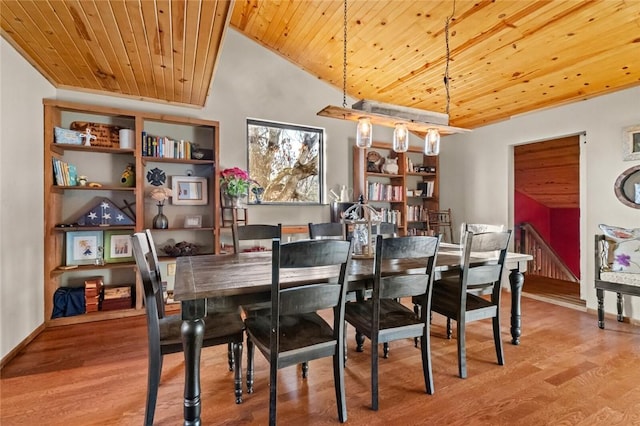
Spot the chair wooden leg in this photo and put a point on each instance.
(345, 343)
(374, 373)
(237, 371)
(448, 328)
(153, 382)
(273, 391)
(305, 369)
(425, 348)
(416, 310)
(250, 351)
(359, 341)
(600, 295)
(230, 356)
(338, 381)
(385, 349)
(497, 340)
(462, 350)
(619, 306)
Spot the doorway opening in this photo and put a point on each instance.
(547, 217)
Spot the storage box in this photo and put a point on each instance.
(107, 136)
(67, 136)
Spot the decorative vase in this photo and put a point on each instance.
(235, 202)
(160, 221)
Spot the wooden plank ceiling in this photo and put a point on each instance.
(549, 172)
(507, 57)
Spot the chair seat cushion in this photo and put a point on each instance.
(445, 300)
(623, 249)
(296, 331)
(219, 328)
(621, 278)
(392, 315)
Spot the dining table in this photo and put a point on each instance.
(206, 282)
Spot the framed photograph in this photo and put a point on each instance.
(286, 161)
(189, 190)
(83, 247)
(193, 221)
(117, 246)
(631, 143)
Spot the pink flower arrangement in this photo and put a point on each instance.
(235, 182)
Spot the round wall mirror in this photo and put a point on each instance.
(627, 187)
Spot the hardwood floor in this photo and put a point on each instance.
(559, 292)
(565, 371)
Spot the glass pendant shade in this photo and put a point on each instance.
(432, 142)
(364, 133)
(401, 138)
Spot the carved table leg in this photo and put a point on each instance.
(193, 312)
(516, 279)
(192, 335)
(619, 306)
(600, 294)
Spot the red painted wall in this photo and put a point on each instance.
(565, 237)
(559, 227)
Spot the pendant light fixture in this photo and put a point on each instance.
(402, 119)
(401, 138)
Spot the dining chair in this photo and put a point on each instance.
(383, 318)
(254, 232)
(326, 230)
(478, 228)
(388, 229)
(439, 222)
(164, 335)
(293, 332)
(456, 298)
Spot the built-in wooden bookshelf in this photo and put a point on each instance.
(104, 165)
(398, 192)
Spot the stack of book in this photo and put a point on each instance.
(64, 174)
(92, 289)
(116, 298)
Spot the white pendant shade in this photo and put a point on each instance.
(364, 133)
(432, 142)
(400, 138)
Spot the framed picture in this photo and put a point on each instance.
(117, 246)
(286, 161)
(193, 221)
(631, 143)
(83, 247)
(189, 190)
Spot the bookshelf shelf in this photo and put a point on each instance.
(105, 163)
(412, 209)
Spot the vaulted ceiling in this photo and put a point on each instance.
(506, 57)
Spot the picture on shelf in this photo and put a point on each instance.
(193, 221)
(189, 190)
(83, 247)
(118, 247)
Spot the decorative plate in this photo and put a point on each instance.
(156, 177)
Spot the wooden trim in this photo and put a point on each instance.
(295, 229)
(23, 344)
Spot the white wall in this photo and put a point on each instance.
(477, 172)
(253, 82)
(21, 207)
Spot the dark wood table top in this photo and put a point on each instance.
(201, 277)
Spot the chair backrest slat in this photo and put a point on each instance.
(493, 243)
(398, 248)
(254, 232)
(309, 254)
(150, 280)
(331, 230)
